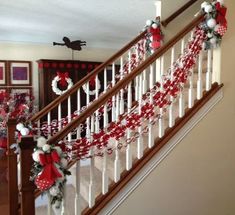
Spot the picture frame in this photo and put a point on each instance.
(20, 73)
(19, 90)
(3, 73)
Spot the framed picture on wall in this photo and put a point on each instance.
(20, 73)
(3, 73)
(21, 90)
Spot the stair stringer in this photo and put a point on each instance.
(159, 157)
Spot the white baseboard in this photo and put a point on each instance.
(153, 163)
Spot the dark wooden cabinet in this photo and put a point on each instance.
(76, 69)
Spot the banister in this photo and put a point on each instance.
(84, 80)
(178, 12)
(122, 83)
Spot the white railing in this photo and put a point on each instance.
(93, 180)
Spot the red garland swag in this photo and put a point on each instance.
(116, 130)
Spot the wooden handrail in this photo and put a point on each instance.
(122, 83)
(84, 80)
(178, 12)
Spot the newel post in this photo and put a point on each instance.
(27, 145)
(13, 192)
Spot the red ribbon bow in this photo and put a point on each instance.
(156, 33)
(221, 13)
(63, 77)
(49, 172)
(92, 81)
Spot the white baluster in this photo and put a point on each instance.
(144, 84)
(171, 107)
(191, 90)
(150, 126)
(191, 87)
(92, 167)
(136, 79)
(140, 147)
(117, 164)
(49, 206)
(105, 122)
(209, 70)
(181, 94)
(122, 91)
(78, 110)
(158, 70)
(97, 125)
(77, 189)
(128, 149)
(199, 81)
(161, 130)
(158, 5)
(49, 124)
(129, 104)
(59, 117)
(216, 65)
(113, 98)
(69, 117)
(78, 165)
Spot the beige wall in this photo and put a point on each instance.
(198, 177)
(34, 52)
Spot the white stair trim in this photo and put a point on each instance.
(155, 161)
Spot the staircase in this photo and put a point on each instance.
(143, 89)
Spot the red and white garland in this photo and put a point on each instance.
(116, 130)
(62, 79)
(49, 169)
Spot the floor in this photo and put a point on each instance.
(3, 185)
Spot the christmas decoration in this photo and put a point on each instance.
(19, 106)
(215, 24)
(158, 98)
(154, 35)
(62, 79)
(49, 169)
(92, 85)
(161, 93)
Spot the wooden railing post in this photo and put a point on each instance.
(27, 145)
(12, 169)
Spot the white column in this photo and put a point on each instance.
(158, 5)
(150, 126)
(199, 80)
(140, 146)
(161, 130)
(216, 65)
(181, 94)
(209, 70)
(129, 104)
(171, 107)
(105, 122)
(91, 201)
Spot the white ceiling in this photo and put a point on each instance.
(102, 23)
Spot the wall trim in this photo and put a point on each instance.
(158, 158)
